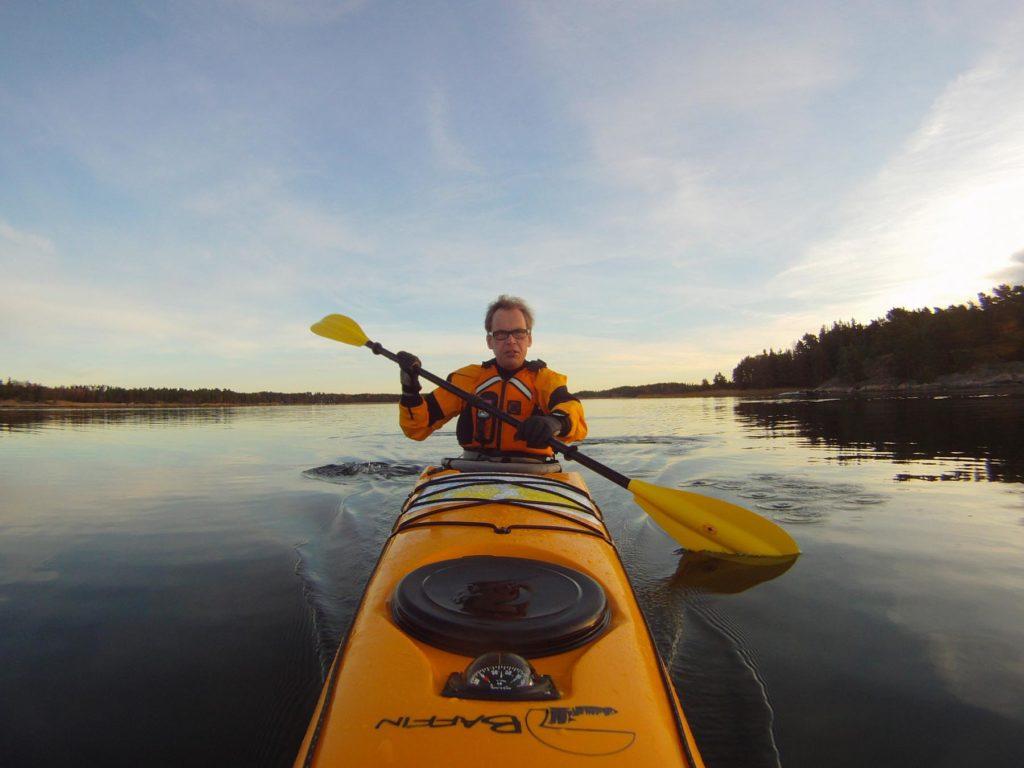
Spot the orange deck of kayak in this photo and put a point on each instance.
(381, 704)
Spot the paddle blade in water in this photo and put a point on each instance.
(703, 524)
(340, 328)
(721, 574)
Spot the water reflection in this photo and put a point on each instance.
(984, 436)
(727, 574)
(34, 419)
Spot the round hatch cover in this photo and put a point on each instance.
(471, 605)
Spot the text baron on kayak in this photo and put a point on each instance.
(525, 389)
(554, 727)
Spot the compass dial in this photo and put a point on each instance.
(500, 672)
(501, 677)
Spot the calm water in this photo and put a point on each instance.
(173, 582)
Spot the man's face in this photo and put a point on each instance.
(510, 353)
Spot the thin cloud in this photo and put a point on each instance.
(449, 151)
(1013, 274)
(44, 302)
(644, 82)
(63, 313)
(257, 202)
(15, 242)
(315, 229)
(940, 218)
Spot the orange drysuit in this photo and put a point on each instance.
(533, 389)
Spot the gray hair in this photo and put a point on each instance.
(507, 302)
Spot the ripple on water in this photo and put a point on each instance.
(792, 499)
(734, 721)
(335, 564)
(863, 500)
(723, 485)
(756, 495)
(780, 505)
(791, 511)
(341, 473)
(678, 441)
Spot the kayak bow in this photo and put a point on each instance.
(498, 627)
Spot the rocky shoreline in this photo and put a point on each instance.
(1006, 378)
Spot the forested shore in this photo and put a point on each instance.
(977, 343)
(24, 392)
(906, 346)
(964, 345)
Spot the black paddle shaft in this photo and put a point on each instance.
(570, 452)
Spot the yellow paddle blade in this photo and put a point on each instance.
(703, 524)
(340, 328)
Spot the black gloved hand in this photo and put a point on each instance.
(410, 365)
(537, 430)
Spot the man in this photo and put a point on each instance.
(525, 389)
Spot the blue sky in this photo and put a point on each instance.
(185, 187)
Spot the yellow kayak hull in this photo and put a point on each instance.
(382, 703)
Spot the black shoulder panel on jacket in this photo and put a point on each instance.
(559, 396)
(534, 365)
(434, 412)
(492, 363)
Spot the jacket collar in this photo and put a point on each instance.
(530, 365)
(504, 373)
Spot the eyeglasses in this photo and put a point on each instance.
(519, 334)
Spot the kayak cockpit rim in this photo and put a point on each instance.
(454, 491)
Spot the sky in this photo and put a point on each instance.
(185, 187)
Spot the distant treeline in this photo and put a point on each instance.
(25, 391)
(663, 389)
(906, 345)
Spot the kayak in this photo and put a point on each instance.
(498, 627)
